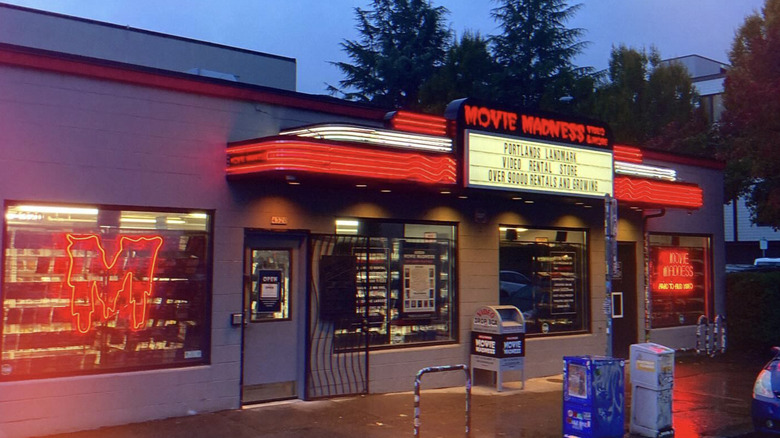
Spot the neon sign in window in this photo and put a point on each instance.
(119, 284)
(674, 270)
(680, 279)
(90, 289)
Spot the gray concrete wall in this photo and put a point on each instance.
(60, 33)
(68, 139)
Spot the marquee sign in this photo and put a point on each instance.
(502, 162)
(517, 150)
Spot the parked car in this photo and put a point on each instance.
(766, 397)
(517, 289)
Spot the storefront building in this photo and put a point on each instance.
(174, 243)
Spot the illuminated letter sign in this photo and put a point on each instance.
(539, 126)
(673, 271)
(509, 163)
(120, 285)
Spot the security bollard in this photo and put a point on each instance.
(417, 379)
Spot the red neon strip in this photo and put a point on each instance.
(658, 192)
(121, 285)
(300, 155)
(627, 153)
(419, 123)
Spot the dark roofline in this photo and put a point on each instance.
(102, 69)
(147, 32)
(684, 159)
(696, 56)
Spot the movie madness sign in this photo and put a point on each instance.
(519, 151)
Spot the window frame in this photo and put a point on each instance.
(587, 317)
(290, 279)
(454, 298)
(707, 275)
(205, 324)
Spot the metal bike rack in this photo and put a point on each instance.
(463, 367)
(714, 334)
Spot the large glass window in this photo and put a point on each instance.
(97, 289)
(401, 280)
(680, 269)
(543, 272)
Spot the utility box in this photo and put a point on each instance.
(593, 397)
(498, 341)
(652, 380)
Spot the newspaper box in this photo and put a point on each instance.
(593, 397)
(652, 379)
(498, 341)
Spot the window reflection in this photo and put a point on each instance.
(269, 296)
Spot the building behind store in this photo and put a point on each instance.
(181, 236)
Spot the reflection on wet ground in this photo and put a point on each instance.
(711, 399)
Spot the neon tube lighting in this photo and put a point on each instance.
(627, 153)
(655, 192)
(420, 123)
(377, 136)
(130, 290)
(297, 155)
(643, 171)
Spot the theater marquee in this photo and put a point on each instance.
(511, 163)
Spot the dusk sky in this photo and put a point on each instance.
(311, 31)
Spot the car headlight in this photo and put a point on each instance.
(763, 385)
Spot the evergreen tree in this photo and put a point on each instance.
(402, 44)
(535, 51)
(468, 71)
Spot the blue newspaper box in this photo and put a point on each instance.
(593, 397)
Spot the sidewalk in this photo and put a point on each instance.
(711, 399)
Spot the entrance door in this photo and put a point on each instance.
(274, 315)
(624, 300)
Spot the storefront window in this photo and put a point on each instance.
(680, 268)
(398, 282)
(543, 272)
(99, 289)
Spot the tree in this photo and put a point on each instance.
(402, 44)
(750, 123)
(652, 103)
(468, 71)
(535, 51)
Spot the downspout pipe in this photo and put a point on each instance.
(646, 252)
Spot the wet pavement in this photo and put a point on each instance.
(711, 399)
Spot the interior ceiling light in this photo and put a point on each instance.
(56, 210)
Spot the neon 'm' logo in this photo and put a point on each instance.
(121, 284)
